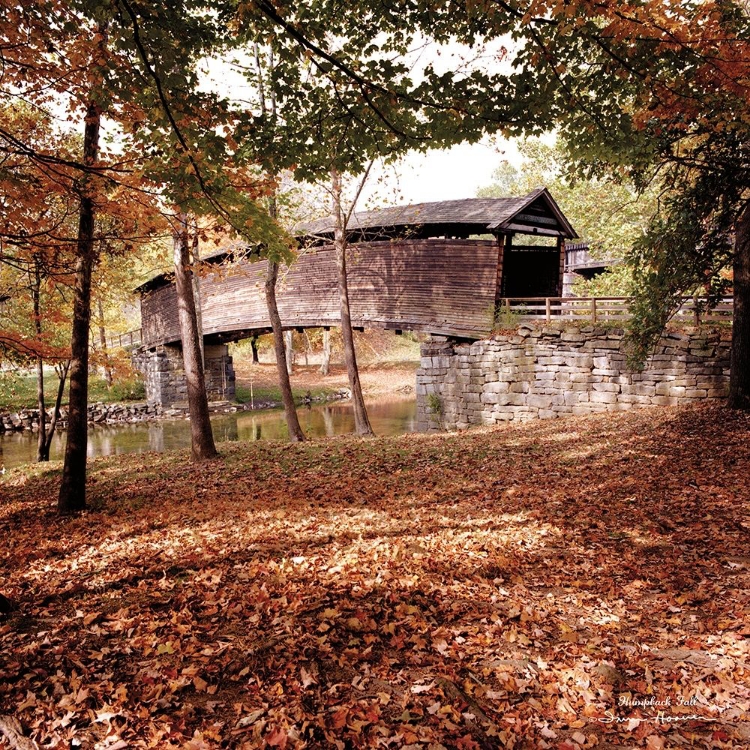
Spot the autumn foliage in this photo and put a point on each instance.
(518, 587)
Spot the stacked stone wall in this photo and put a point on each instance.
(164, 374)
(543, 373)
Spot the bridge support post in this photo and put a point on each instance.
(164, 373)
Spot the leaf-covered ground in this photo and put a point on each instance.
(526, 587)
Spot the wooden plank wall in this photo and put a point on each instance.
(444, 287)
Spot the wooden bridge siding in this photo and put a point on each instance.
(439, 286)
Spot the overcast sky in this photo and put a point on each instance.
(440, 175)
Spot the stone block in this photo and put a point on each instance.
(582, 410)
(606, 387)
(581, 364)
(633, 399)
(496, 387)
(718, 392)
(572, 337)
(539, 402)
(602, 397)
(706, 384)
(493, 398)
(520, 386)
(663, 401)
(595, 344)
(571, 398)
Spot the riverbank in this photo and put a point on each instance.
(257, 389)
(502, 587)
(135, 413)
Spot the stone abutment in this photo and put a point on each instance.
(164, 374)
(543, 373)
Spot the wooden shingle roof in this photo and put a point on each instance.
(535, 213)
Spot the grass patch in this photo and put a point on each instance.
(18, 390)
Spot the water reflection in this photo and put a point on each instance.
(386, 417)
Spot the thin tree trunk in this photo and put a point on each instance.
(42, 449)
(361, 421)
(739, 379)
(72, 495)
(36, 288)
(290, 410)
(272, 276)
(289, 347)
(103, 343)
(254, 349)
(45, 438)
(326, 363)
(197, 291)
(45, 434)
(62, 376)
(308, 348)
(202, 439)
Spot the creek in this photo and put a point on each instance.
(388, 417)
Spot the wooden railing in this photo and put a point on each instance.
(124, 340)
(605, 310)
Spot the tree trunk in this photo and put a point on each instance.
(103, 343)
(289, 347)
(42, 446)
(308, 348)
(361, 421)
(739, 379)
(36, 288)
(290, 410)
(254, 348)
(62, 376)
(272, 276)
(326, 363)
(197, 291)
(202, 439)
(45, 438)
(72, 495)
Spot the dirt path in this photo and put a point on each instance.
(378, 380)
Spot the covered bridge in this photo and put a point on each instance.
(441, 268)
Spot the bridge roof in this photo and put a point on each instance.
(535, 213)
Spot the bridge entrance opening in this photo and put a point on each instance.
(531, 271)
